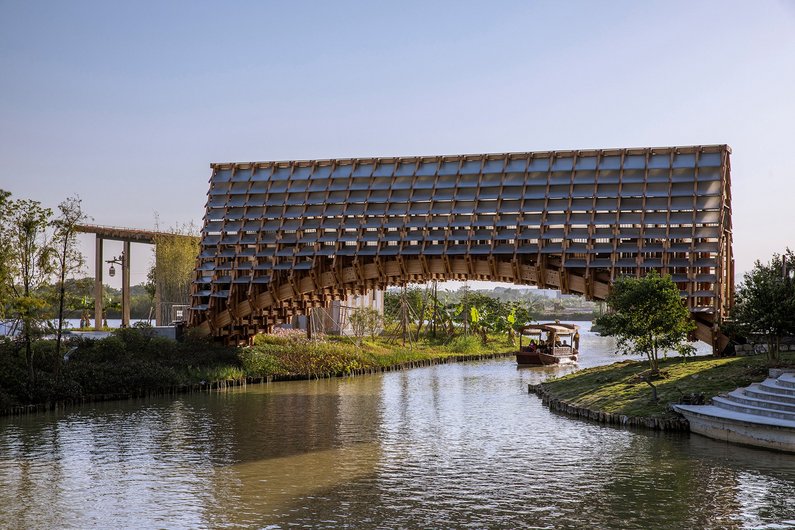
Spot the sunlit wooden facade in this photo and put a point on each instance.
(282, 237)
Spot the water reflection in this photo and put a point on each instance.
(446, 446)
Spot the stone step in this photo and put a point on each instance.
(757, 392)
(718, 412)
(740, 396)
(772, 386)
(786, 380)
(728, 404)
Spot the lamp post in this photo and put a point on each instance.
(117, 261)
(124, 262)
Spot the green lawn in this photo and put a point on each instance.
(616, 388)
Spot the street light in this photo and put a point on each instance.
(118, 261)
(122, 260)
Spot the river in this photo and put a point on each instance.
(450, 446)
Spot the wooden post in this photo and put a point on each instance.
(125, 286)
(158, 306)
(98, 264)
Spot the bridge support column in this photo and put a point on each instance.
(125, 286)
(98, 263)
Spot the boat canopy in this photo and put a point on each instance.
(556, 328)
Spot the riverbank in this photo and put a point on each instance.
(134, 363)
(616, 394)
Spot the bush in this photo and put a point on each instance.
(464, 344)
(13, 375)
(6, 401)
(109, 349)
(294, 354)
(121, 378)
(365, 320)
(49, 389)
(259, 361)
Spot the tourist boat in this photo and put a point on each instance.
(544, 344)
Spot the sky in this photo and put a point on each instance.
(126, 104)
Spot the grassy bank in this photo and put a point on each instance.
(617, 389)
(293, 355)
(133, 362)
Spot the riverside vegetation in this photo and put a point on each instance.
(646, 316)
(135, 362)
(621, 388)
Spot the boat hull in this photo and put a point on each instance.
(543, 359)
(547, 358)
(528, 358)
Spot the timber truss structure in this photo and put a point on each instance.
(280, 238)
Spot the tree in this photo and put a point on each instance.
(31, 263)
(175, 260)
(647, 316)
(69, 258)
(6, 280)
(486, 314)
(444, 315)
(407, 306)
(527, 311)
(364, 320)
(765, 301)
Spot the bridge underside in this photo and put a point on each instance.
(281, 238)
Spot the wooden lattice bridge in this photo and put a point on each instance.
(281, 238)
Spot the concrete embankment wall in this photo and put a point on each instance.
(558, 405)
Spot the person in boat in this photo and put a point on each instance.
(576, 340)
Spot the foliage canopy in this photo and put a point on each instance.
(172, 271)
(647, 316)
(765, 302)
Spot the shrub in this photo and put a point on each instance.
(260, 361)
(365, 320)
(294, 354)
(119, 378)
(464, 344)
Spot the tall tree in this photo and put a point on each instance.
(486, 314)
(175, 259)
(69, 258)
(31, 264)
(765, 302)
(6, 281)
(647, 316)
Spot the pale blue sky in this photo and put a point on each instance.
(127, 103)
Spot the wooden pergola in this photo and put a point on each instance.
(127, 236)
(280, 238)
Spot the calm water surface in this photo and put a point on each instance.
(453, 446)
